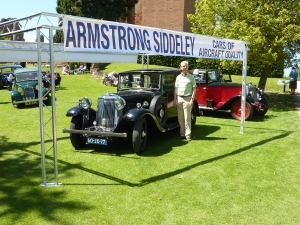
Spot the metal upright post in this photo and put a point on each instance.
(53, 107)
(243, 100)
(42, 138)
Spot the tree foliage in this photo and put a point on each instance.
(112, 10)
(272, 28)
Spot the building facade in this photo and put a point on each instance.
(165, 14)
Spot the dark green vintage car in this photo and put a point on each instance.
(25, 88)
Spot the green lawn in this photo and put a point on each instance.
(220, 177)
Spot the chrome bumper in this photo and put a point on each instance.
(95, 133)
(28, 101)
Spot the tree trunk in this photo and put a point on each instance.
(264, 76)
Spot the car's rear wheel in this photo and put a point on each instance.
(236, 111)
(158, 107)
(77, 140)
(193, 116)
(139, 135)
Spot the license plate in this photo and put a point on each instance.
(96, 141)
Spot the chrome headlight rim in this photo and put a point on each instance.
(86, 103)
(120, 103)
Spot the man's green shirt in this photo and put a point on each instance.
(185, 84)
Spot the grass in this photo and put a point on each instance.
(221, 177)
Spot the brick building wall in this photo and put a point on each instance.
(166, 14)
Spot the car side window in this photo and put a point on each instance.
(169, 82)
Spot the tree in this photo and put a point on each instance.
(271, 26)
(112, 10)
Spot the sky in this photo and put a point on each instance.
(21, 8)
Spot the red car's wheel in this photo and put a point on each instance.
(236, 111)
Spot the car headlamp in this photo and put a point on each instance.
(120, 103)
(20, 89)
(86, 103)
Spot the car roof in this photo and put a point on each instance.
(24, 70)
(153, 70)
(10, 66)
(206, 70)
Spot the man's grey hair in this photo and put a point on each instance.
(184, 62)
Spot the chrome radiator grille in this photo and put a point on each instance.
(107, 116)
(29, 93)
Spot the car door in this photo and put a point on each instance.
(168, 87)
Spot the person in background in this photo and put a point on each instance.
(65, 70)
(184, 94)
(83, 68)
(57, 78)
(10, 81)
(78, 69)
(293, 80)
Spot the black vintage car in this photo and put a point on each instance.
(143, 102)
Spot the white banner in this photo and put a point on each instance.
(91, 35)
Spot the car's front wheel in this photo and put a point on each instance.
(265, 107)
(77, 140)
(17, 106)
(236, 110)
(139, 135)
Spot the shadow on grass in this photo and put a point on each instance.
(20, 193)
(18, 169)
(178, 171)
(281, 102)
(201, 163)
(158, 143)
(2, 103)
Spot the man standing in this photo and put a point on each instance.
(185, 90)
(293, 80)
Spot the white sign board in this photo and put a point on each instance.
(90, 35)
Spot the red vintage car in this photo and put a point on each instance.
(217, 92)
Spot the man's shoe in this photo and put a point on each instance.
(188, 139)
(181, 137)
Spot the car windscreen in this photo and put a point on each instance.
(139, 80)
(26, 76)
(8, 70)
(214, 75)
